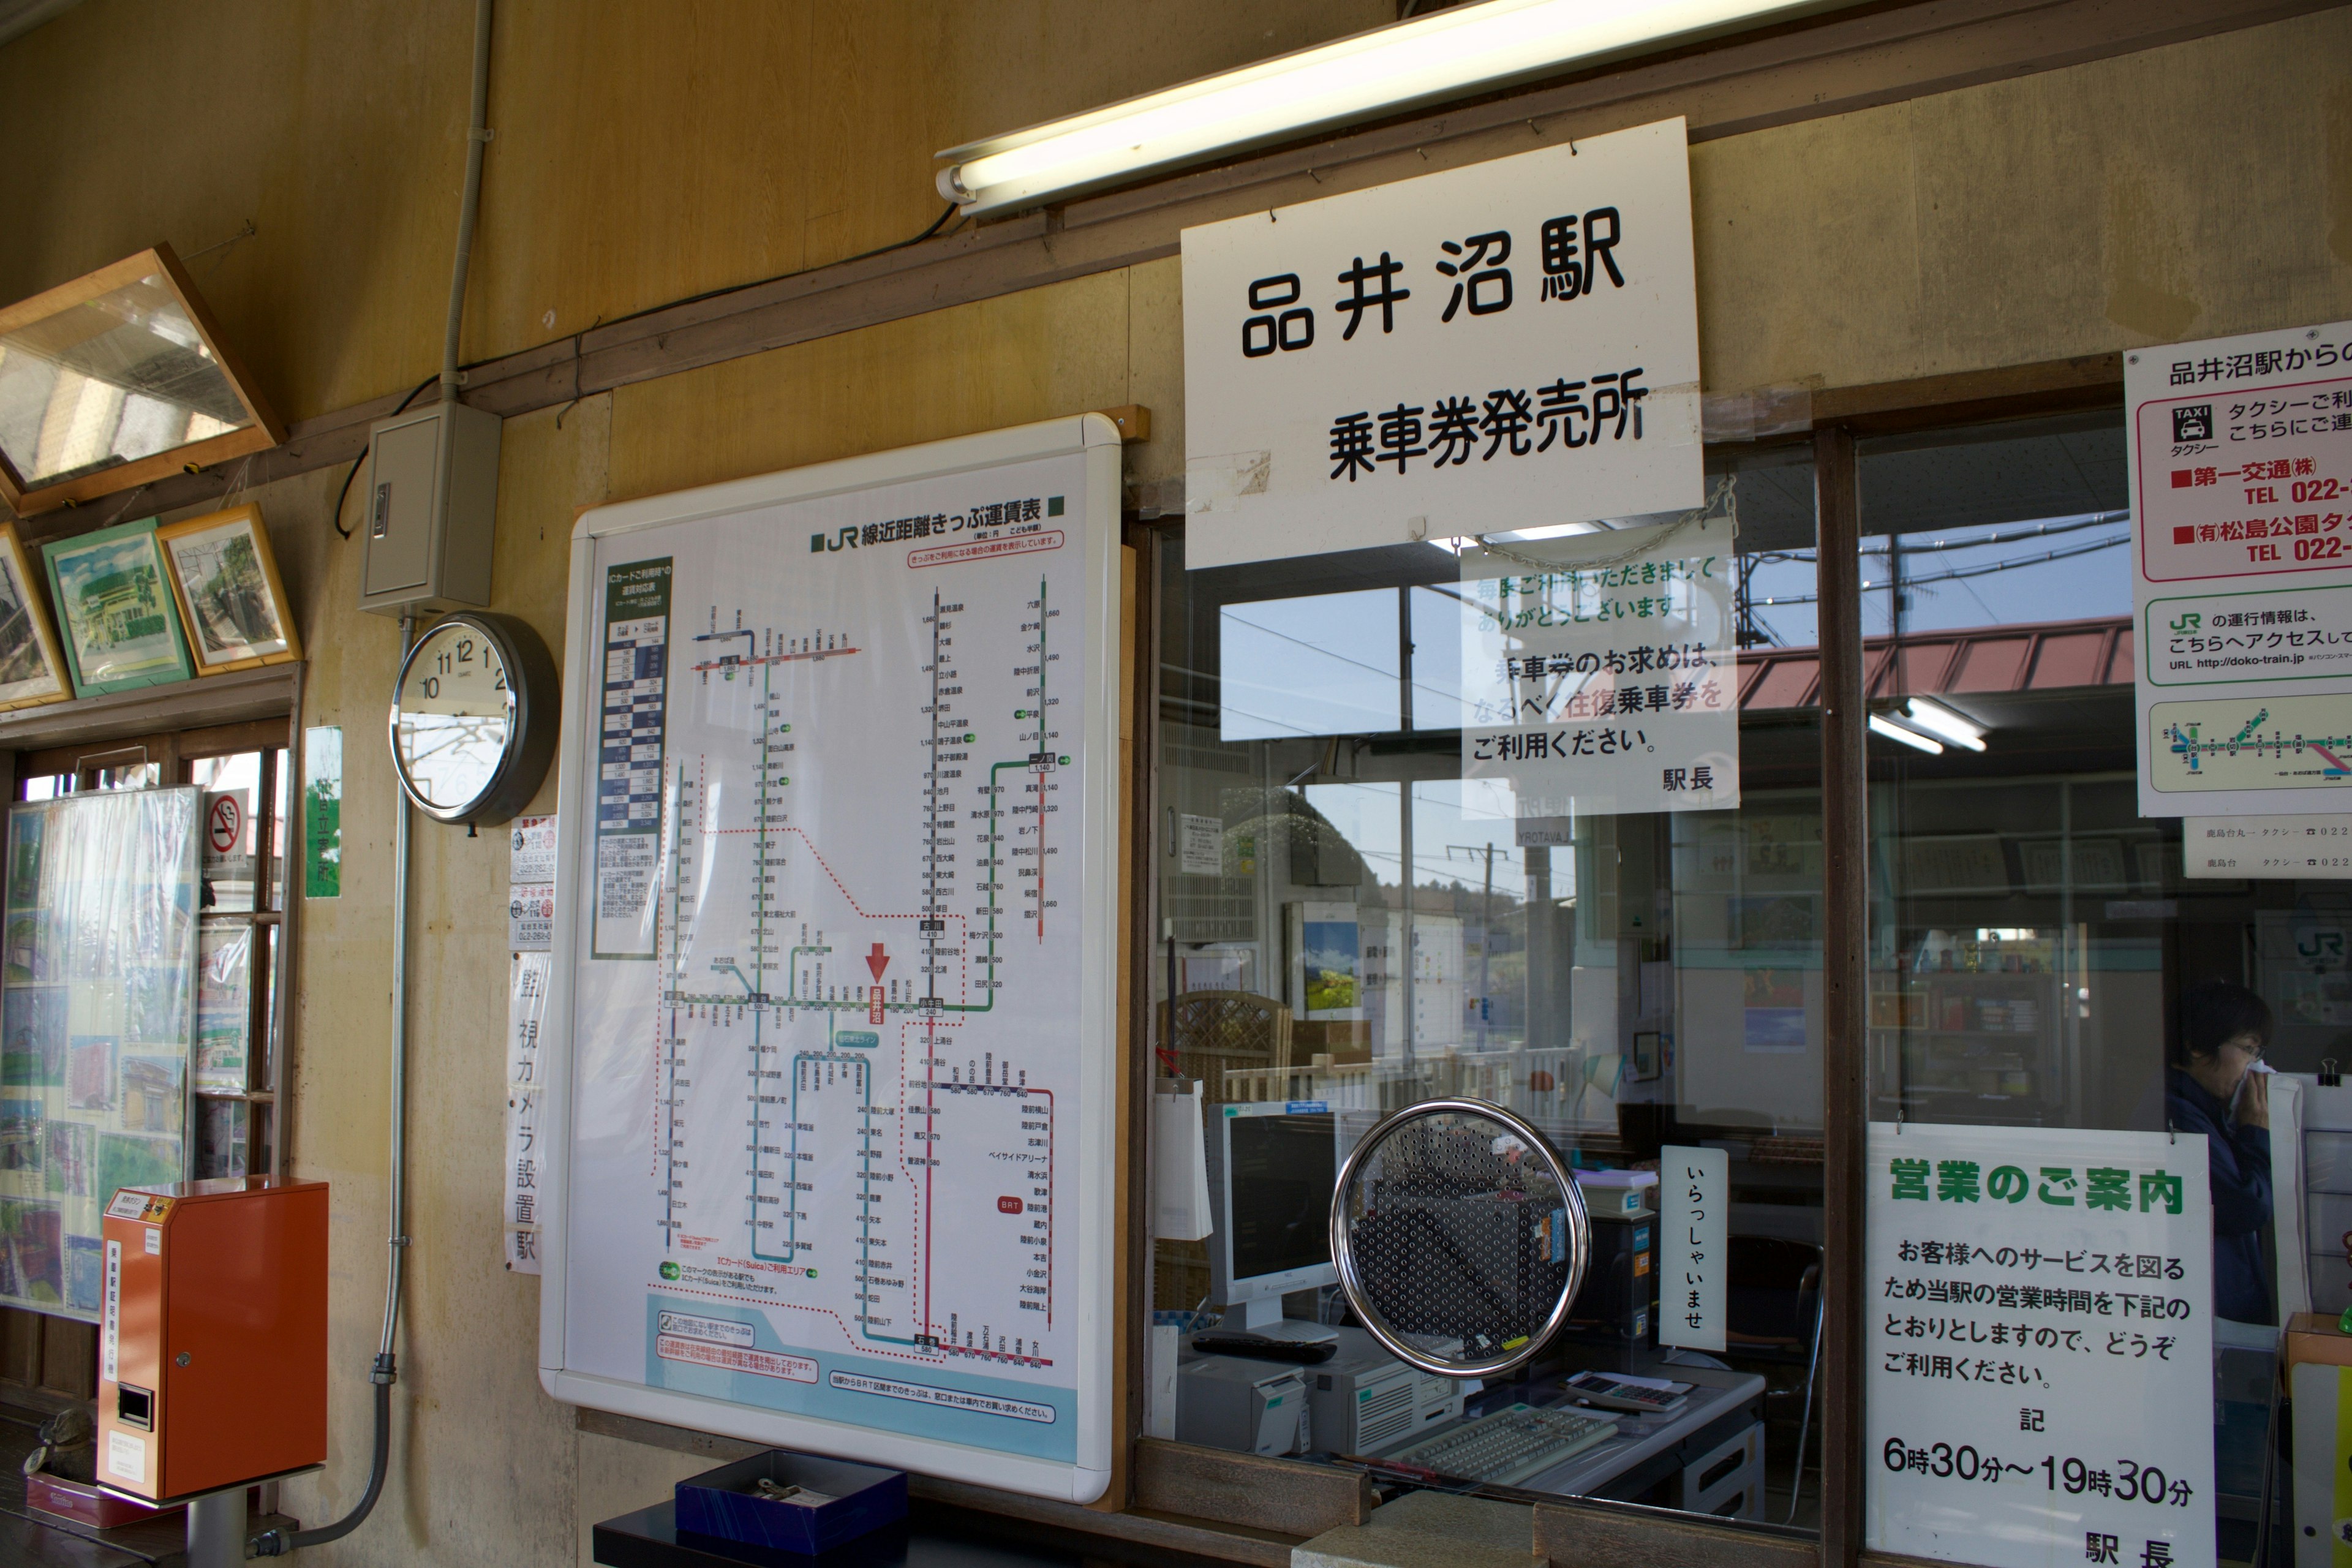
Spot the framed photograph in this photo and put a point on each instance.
(32, 670)
(1644, 1066)
(132, 352)
(225, 582)
(115, 610)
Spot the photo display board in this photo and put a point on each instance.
(98, 1006)
(832, 1060)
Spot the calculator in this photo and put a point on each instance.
(1615, 1394)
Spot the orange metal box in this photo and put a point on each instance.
(213, 1346)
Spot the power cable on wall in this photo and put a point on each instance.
(937, 224)
(336, 516)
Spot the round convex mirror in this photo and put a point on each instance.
(1460, 1237)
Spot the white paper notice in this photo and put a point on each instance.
(1201, 845)
(2039, 1307)
(531, 884)
(1694, 1194)
(526, 1011)
(2241, 570)
(1497, 347)
(1598, 672)
(2314, 848)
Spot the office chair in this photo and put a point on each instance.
(1773, 1309)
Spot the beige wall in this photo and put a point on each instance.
(2201, 188)
(644, 151)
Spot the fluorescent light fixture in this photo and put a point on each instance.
(1880, 724)
(1469, 49)
(1944, 725)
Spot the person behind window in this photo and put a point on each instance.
(2211, 1088)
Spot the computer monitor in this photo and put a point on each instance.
(1272, 1168)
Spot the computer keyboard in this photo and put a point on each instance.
(1508, 1447)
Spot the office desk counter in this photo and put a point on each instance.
(932, 1535)
(1647, 1448)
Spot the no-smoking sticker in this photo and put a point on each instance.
(223, 823)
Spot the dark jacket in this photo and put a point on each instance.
(2239, 1157)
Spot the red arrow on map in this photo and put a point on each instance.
(877, 961)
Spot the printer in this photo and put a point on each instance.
(1250, 1406)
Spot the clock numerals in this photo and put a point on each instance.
(462, 715)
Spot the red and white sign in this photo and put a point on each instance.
(2240, 467)
(2245, 483)
(224, 822)
(228, 839)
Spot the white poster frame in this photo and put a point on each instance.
(1096, 1186)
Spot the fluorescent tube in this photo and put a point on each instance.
(1880, 724)
(1464, 49)
(1944, 725)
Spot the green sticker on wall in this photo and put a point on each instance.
(323, 811)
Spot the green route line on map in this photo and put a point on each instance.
(761, 1001)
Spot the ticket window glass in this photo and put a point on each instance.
(2042, 973)
(1353, 918)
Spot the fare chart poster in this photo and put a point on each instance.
(2039, 1317)
(829, 979)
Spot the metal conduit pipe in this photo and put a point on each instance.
(385, 1370)
(477, 136)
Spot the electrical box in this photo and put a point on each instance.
(213, 1335)
(430, 511)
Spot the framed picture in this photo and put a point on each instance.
(225, 582)
(132, 351)
(1644, 1066)
(115, 610)
(32, 670)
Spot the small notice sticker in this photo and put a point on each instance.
(126, 1456)
(132, 1203)
(154, 1241)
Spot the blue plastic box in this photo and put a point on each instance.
(725, 1503)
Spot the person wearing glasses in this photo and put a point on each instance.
(2217, 1086)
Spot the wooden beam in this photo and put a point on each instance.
(1288, 1496)
(264, 693)
(2047, 387)
(1845, 929)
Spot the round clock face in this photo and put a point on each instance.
(453, 718)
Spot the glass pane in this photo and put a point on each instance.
(225, 952)
(265, 971)
(118, 378)
(126, 776)
(2055, 1005)
(1362, 909)
(278, 841)
(223, 1132)
(48, 786)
